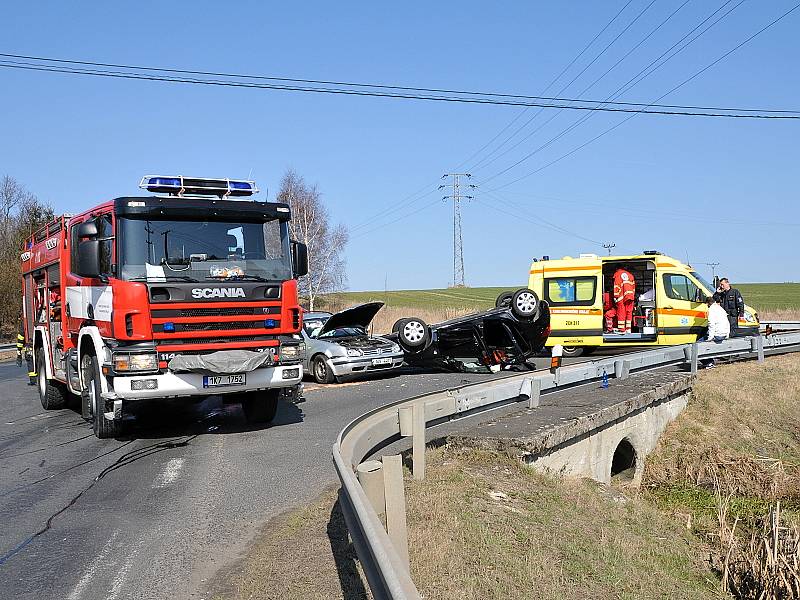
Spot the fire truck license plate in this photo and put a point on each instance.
(220, 380)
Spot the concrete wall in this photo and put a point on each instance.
(591, 454)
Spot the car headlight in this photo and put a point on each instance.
(750, 317)
(395, 348)
(354, 352)
(135, 362)
(292, 351)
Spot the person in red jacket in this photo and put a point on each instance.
(624, 295)
(608, 312)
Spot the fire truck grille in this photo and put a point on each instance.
(212, 340)
(215, 311)
(220, 326)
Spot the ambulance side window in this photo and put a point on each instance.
(570, 291)
(680, 287)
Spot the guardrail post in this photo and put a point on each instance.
(405, 415)
(695, 355)
(418, 441)
(370, 476)
(622, 369)
(396, 505)
(760, 348)
(532, 388)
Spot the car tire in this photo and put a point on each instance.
(52, 395)
(504, 300)
(260, 407)
(102, 427)
(321, 371)
(397, 325)
(525, 304)
(413, 334)
(573, 351)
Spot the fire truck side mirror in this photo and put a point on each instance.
(88, 229)
(299, 259)
(88, 259)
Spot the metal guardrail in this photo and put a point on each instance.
(8, 347)
(384, 563)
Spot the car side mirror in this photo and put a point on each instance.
(299, 259)
(88, 258)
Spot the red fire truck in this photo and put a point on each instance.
(188, 292)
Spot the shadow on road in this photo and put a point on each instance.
(344, 554)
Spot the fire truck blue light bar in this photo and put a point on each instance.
(197, 186)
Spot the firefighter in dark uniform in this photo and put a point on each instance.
(732, 302)
(23, 352)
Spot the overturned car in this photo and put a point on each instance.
(338, 345)
(505, 337)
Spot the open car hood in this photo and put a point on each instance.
(357, 316)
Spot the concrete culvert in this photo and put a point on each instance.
(623, 464)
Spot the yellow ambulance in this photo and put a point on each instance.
(670, 303)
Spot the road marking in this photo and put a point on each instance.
(170, 473)
(88, 575)
(116, 586)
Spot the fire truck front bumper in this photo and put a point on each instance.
(173, 385)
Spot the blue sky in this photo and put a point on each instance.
(720, 190)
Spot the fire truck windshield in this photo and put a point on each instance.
(159, 250)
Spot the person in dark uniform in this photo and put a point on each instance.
(732, 302)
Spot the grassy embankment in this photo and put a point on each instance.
(780, 301)
(483, 526)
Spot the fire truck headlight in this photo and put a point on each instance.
(292, 352)
(135, 362)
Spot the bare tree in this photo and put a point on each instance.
(311, 225)
(20, 214)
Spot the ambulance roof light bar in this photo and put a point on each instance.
(198, 186)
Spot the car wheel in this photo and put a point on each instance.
(413, 333)
(504, 300)
(103, 428)
(573, 351)
(397, 325)
(525, 304)
(321, 371)
(260, 407)
(52, 395)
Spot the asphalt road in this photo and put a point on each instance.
(156, 514)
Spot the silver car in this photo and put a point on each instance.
(339, 345)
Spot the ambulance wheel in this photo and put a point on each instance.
(574, 351)
(504, 300)
(52, 395)
(103, 428)
(260, 407)
(525, 304)
(413, 334)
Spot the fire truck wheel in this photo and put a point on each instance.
(320, 370)
(103, 428)
(52, 395)
(260, 407)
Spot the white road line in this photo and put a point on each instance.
(170, 473)
(89, 574)
(116, 586)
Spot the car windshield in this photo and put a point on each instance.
(312, 326)
(203, 250)
(709, 287)
(343, 332)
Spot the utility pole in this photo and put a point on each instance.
(609, 246)
(713, 266)
(458, 246)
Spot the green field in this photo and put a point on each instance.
(762, 296)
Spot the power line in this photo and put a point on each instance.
(697, 74)
(549, 85)
(587, 88)
(555, 103)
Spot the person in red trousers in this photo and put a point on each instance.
(608, 312)
(624, 295)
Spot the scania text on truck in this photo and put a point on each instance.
(189, 292)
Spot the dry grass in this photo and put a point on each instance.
(779, 314)
(483, 526)
(730, 467)
(302, 555)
